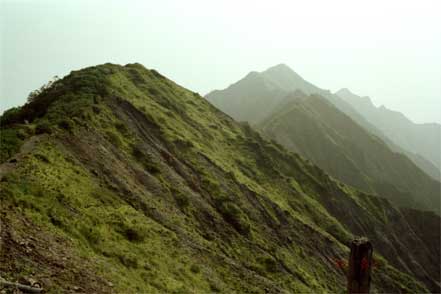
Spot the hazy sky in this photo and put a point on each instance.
(388, 50)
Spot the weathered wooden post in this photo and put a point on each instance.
(360, 264)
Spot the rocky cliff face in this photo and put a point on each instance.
(117, 179)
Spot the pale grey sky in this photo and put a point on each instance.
(388, 50)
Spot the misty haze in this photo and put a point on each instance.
(220, 146)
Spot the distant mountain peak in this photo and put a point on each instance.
(279, 67)
(281, 70)
(348, 95)
(344, 91)
(284, 78)
(252, 74)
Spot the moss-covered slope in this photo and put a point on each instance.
(117, 179)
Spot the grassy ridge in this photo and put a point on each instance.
(152, 189)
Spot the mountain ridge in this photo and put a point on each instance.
(313, 127)
(245, 94)
(252, 102)
(400, 129)
(151, 188)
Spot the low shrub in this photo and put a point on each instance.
(91, 234)
(96, 109)
(121, 128)
(270, 265)
(234, 215)
(55, 217)
(182, 200)
(195, 269)
(10, 143)
(66, 124)
(43, 127)
(113, 138)
(10, 116)
(210, 185)
(151, 166)
(128, 260)
(157, 74)
(42, 157)
(153, 91)
(134, 234)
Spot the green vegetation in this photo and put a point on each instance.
(142, 186)
(234, 215)
(10, 143)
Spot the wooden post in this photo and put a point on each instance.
(360, 264)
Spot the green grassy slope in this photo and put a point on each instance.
(123, 181)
